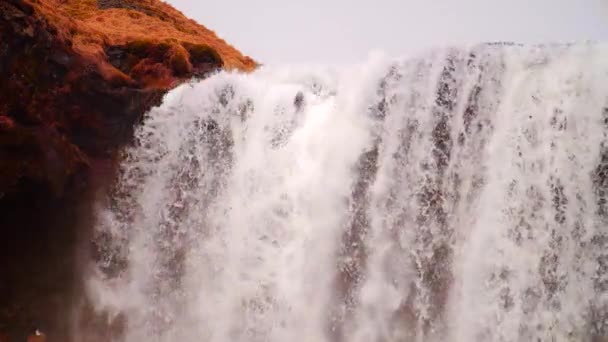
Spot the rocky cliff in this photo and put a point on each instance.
(75, 77)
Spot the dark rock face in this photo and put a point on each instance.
(31, 148)
(64, 113)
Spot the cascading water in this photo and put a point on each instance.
(459, 196)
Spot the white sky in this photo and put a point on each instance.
(339, 31)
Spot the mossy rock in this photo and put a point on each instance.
(200, 54)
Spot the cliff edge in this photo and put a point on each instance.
(77, 74)
(75, 78)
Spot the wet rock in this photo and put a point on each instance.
(298, 101)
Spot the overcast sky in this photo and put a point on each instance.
(339, 31)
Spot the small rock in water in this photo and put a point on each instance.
(299, 100)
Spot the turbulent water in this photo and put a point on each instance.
(456, 196)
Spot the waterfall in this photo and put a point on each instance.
(458, 195)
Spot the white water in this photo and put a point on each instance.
(458, 196)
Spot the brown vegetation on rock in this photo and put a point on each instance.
(75, 77)
(78, 73)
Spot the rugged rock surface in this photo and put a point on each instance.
(75, 77)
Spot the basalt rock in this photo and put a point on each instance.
(76, 76)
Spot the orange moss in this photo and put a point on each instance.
(95, 24)
(152, 73)
(179, 59)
